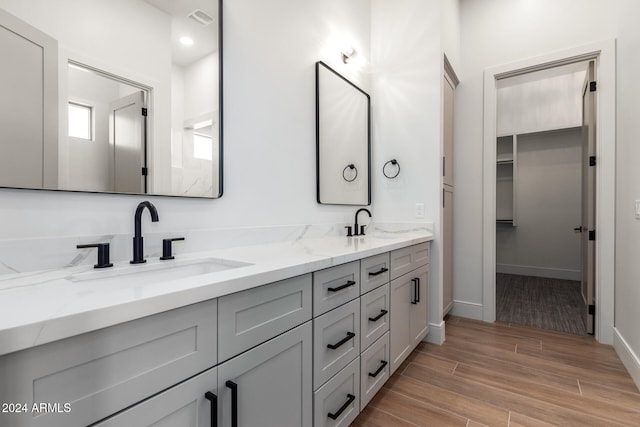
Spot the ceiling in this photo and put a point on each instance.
(205, 37)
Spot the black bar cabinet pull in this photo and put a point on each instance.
(382, 270)
(339, 288)
(378, 317)
(214, 407)
(415, 291)
(342, 341)
(383, 363)
(234, 402)
(350, 398)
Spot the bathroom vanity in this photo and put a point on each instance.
(281, 334)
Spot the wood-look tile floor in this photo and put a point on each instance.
(500, 374)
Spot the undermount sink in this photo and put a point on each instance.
(157, 272)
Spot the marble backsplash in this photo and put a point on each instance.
(26, 255)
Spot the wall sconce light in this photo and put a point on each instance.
(348, 55)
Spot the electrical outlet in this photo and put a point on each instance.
(419, 210)
(637, 209)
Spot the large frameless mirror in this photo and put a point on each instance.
(117, 96)
(343, 141)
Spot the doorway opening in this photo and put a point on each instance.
(603, 53)
(542, 131)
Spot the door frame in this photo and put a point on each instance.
(604, 54)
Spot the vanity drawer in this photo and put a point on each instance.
(254, 316)
(336, 341)
(374, 371)
(338, 398)
(406, 259)
(374, 272)
(102, 372)
(335, 286)
(374, 316)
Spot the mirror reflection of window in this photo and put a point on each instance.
(202, 147)
(80, 121)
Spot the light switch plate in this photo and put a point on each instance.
(637, 209)
(419, 210)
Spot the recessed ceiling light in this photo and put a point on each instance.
(187, 41)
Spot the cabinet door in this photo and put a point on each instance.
(192, 403)
(447, 132)
(447, 251)
(419, 324)
(269, 385)
(402, 290)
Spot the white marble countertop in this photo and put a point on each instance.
(45, 306)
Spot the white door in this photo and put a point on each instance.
(28, 105)
(402, 290)
(127, 132)
(589, 198)
(447, 250)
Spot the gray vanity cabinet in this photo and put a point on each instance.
(269, 385)
(409, 302)
(192, 403)
(102, 372)
(250, 317)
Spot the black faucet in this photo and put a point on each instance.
(138, 245)
(360, 232)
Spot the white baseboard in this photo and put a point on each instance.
(526, 270)
(627, 355)
(470, 310)
(436, 333)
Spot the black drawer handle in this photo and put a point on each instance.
(350, 398)
(342, 341)
(339, 288)
(382, 270)
(415, 300)
(214, 407)
(234, 402)
(417, 289)
(383, 363)
(378, 317)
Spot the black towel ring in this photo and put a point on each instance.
(384, 168)
(352, 167)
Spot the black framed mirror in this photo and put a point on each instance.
(343, 140)
(113, 96)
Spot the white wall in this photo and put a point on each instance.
(548, 206)
(497, 32)
(627, 292)
(406, 99)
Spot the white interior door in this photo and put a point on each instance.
(28, 105)
(127, 135)
(588, 198)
